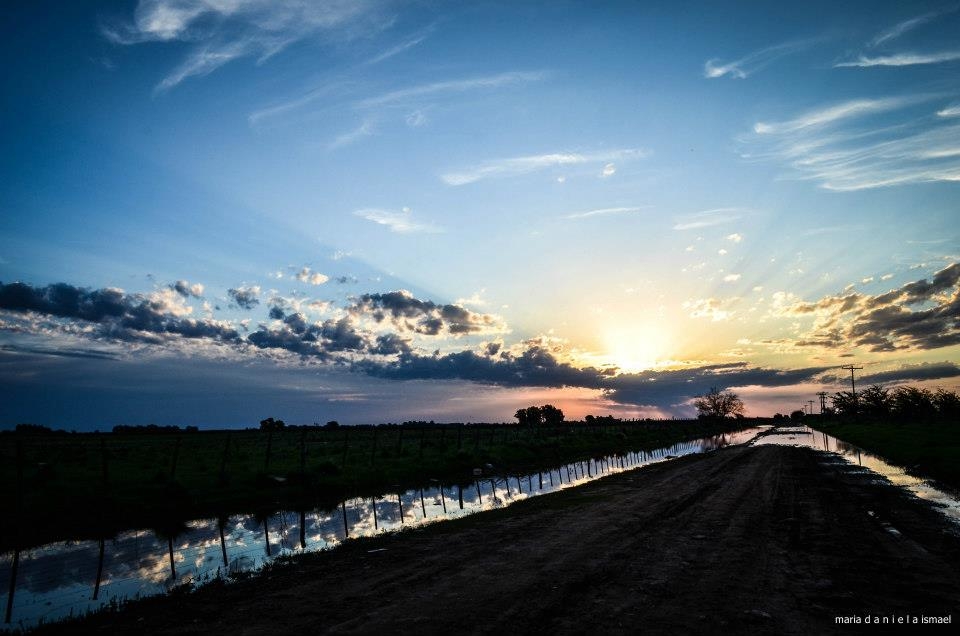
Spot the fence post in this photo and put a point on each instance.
(223, 544)
(13, 583)
(96, 587)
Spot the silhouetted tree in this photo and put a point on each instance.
(797, 415)
(844, 403)
(271, 424)
(947, 404)
(874, 401)
(912, 403)
(717, 403)
(551, 415)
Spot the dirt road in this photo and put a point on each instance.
(743, 540)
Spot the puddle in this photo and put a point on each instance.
(64, 579)
(947, 502)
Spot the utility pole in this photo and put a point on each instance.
(823, 401)
(853, 385)
(810, 402)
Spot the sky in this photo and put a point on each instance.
(214, 211)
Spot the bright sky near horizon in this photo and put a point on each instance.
(373, 210)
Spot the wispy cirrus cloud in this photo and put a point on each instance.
(708, 218)
(400, 221)
(362, 131)
(900, 28)
(414, 93)
(753, 62)
(224, 31)
(515, 166)
(835, 113)
(864, 143)
(607, 212)
(949, 111)
(411, 42)
(901, 59)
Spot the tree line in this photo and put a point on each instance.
(902, 402)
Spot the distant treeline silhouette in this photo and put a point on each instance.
(900, 403)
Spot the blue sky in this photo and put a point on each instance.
(379, 211)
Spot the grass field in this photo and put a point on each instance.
(86, 485)
(930, 449)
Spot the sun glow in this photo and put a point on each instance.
(636, 347)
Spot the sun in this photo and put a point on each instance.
(635, 347)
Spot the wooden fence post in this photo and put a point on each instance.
(13, 583)
(96, 587)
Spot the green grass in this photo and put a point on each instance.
(62, 491)
(929, 450)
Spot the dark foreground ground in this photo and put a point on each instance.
(743, 540)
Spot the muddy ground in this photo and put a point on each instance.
(745, 540)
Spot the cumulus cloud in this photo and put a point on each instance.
(919, 315)
(711, 308)
(245, 297)
(115, 314)
(407, 313)
(305, 275)
(185, 289)
(375, 336)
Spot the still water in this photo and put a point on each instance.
(69, 578)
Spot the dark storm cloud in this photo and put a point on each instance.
(537, 366)
(890, 321)
(931, 371)
(670, 387)
(321, 339)
(92, 354)
(66, 301)
(120, 316)
(407, 313)
(245, 297)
